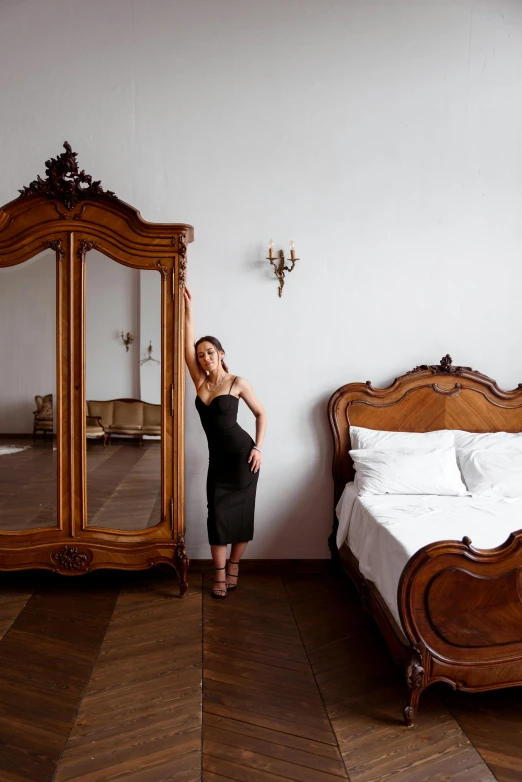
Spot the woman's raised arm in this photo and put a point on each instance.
(196, 372)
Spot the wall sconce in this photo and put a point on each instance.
(280, 268)
(149, 355)
(127, 340)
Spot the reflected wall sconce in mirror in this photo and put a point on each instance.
(127, 340)
(280, 267)
(149, 355)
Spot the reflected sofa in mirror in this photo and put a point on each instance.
(28, 464)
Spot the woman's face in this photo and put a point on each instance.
(209, 357)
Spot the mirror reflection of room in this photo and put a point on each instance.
(28, 484)
(123, 395)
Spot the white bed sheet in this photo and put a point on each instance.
(384, 531)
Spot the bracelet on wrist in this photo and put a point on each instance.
(257, 449)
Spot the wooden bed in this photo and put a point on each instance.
(460, 607)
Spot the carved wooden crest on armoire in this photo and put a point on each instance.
(106, 488)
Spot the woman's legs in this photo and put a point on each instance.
(236, 552)
(219, 557)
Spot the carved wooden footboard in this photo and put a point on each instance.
(460, 608)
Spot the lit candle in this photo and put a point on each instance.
(292, 250)
(270, 249)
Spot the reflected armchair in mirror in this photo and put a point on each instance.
(43, 415)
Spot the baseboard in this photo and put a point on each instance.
(277, 566)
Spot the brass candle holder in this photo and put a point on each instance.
(280, 268)
(127, 340)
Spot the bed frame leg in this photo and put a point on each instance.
(415, 682)
(410, 711)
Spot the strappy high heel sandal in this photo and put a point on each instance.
(231, 587)
(216, 591)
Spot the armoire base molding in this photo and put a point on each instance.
(72, 558)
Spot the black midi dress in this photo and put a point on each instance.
(231, 485)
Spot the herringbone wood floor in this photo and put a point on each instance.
(112, 677)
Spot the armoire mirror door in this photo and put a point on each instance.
(123, 446)
(28, 394)
(119, 465)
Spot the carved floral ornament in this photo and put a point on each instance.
(163, 269)
(57, 246)
(182, 260)
(444, 368)
(414, 669)
(85, 247)
(181, 552)
(71, 558)
(65, 182)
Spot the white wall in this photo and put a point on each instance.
(383, 137)
(150, 333)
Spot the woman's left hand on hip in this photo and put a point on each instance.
(254, 460)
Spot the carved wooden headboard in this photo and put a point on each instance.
(440, 396)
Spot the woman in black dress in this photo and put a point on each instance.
(234, 458)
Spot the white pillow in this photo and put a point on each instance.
(407, 471)
(498, 441)
(492, 473)
(375, 438)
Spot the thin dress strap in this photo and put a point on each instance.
(230, 389)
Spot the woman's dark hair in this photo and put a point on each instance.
(217, 344)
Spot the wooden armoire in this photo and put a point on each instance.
(62, 523)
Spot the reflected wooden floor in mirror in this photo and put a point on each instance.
(123, 484)
(28, 485)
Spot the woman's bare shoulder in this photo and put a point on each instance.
(242, 387)
(240, 383)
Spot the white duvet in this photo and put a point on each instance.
(384, 531)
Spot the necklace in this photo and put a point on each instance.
(218, 385)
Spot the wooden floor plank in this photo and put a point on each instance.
(285, 739)
(298, 685)
(272, 748)
(255, 761)
(262, 721)
(265, 686)
(39, 698)
(141, 714)
(235, 772)
(15, 591)
(364, 694)
(493, 722)
(280, 722)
